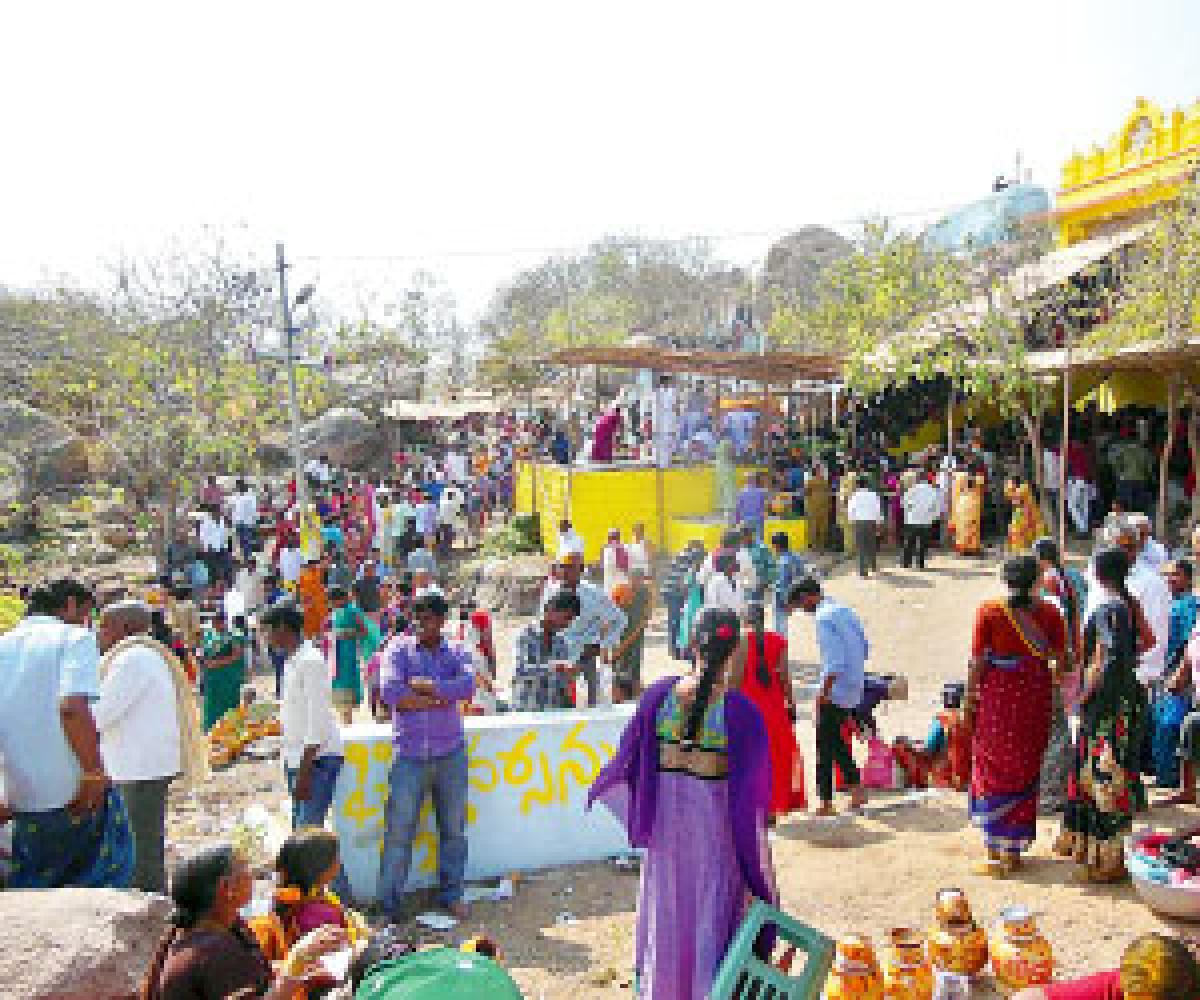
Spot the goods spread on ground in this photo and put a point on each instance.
(240, 727)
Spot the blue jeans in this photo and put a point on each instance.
(247, 535)
(781, 619)
(411, 778)
(674, 614)
(315, 808)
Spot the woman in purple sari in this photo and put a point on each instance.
(691, 784)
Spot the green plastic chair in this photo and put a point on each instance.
(743, 976)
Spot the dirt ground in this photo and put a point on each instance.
(568, 933)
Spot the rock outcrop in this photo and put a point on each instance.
(350, 438)
(44, 446)
(78, 944)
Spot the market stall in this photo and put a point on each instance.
(676, 502)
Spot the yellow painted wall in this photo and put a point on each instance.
(1134, 171)
(616, 498)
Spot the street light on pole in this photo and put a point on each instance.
(293, 402)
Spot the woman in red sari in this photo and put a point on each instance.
(1010, 688)
(767, 682)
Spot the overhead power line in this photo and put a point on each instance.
(570, 248)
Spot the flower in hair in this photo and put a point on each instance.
(725, 632)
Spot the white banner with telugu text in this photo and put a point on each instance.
(528, 781)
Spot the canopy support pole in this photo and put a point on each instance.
(1063, 448)
(660, 488)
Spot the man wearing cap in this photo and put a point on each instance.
(422, 680)
(598, 627)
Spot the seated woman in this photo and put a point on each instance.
(1153, 967)
(307, 863)
(210, 952)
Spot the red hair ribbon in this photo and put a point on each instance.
(725, 632)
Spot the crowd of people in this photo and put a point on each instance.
(1079, 687)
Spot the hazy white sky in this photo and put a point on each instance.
(440, 132)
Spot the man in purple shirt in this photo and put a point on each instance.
(751, 506)
(422, 679)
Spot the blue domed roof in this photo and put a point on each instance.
(988, 221)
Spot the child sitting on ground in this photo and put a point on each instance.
(307, 863)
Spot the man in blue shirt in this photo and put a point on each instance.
(750, 508)
(1183, 609)
(844, 648)
(790, 568)
(597, 627)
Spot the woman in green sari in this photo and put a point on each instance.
(224, 662)
(349, 634)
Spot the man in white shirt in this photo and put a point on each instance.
(1051, 471)
(312, 742)
(139, 729)
(214, 541)
(318, 470)
(1154, 555)
(922, 505)
(664, 421)
(1152, 593)
(456, 466)
(569, 542)
(243, 509)
(291, 561)
(865, 514)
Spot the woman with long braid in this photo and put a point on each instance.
(691, 784)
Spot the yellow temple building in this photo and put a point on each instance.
(1117, 185)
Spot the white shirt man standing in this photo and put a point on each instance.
(312, 742)
(1151, 591)
(318, 469)
(291, 561)
(865, 514)
(922, 505)
(456, 466)
(139, 728)
(243, 511)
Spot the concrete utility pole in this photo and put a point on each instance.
(285, 305)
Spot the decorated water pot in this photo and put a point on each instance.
(855, 974)
(956, 942)
(1021, 956)
(907, 974)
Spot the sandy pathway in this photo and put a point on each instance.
(865, 874)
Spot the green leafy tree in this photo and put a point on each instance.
(1158, 307)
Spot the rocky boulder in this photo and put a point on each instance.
(511, 586)
(78, 944)
(59, 455)
(349, 437)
